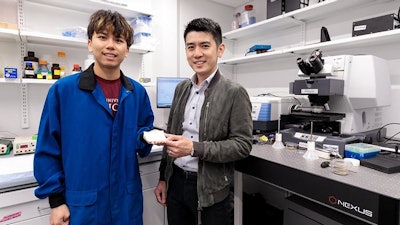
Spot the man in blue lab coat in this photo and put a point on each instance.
(90, 134)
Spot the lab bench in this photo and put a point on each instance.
(315, 195)
(19, 206)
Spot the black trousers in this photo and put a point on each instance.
(182, 203)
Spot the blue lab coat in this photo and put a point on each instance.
(88, 155)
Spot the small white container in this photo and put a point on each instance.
(248, 16)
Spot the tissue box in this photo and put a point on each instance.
(360, 151)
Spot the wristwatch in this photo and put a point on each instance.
(192, 152)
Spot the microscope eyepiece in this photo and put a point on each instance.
(303, 66)
(316, 64)
(313, 64)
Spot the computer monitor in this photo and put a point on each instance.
(166, 89)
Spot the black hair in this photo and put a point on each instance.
(105, 20)
(205, 25)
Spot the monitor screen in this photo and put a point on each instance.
(166, 89)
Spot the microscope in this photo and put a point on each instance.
(346, 96)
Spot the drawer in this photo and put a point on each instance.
(22, 205)
(35, 221)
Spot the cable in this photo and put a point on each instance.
(287, 97)
(390, 139)
(378, 134)
(397, 19)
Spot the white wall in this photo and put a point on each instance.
(163, 62)
(191, 9)
(169, 58)
(8, 11)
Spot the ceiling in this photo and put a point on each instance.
(232, 3)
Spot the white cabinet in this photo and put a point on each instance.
(35, 221)
(22, 207)
(153, 212)
(303, 20)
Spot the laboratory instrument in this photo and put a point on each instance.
(347, 94)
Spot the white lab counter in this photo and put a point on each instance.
(18, 170)
(19, 206)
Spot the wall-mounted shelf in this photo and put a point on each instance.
(148, 84)
(9, 34)
(42, 81)
(57, 40)
(37, 81)
(26, 81)
(381, 38)
(50, 39)
(141, 49)
(293, 18)
(375, 39)
(10, 81)
(89, 6)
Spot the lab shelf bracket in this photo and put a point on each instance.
(24, 106)
(24, 87)
(20, 13)
(234, 68)
(234, 74)
(302, 25)
(303, 34)
(21, 22)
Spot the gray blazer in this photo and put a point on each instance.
(225, 135)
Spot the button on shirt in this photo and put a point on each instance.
(192, 120)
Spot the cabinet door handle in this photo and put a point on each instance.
(44, 210)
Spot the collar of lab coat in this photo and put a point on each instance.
(87, 81)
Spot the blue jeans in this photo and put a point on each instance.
(182, 204)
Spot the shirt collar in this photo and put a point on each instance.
(206, 81)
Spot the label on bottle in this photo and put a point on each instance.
(29, 73)
(56, 74)
(35, 65)
(42, 75)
